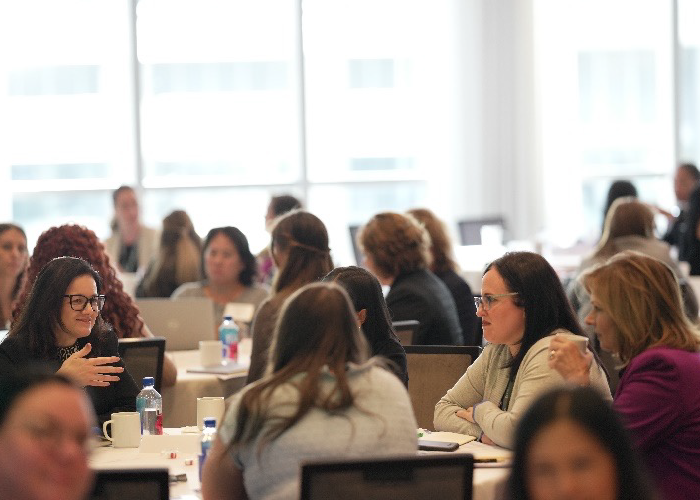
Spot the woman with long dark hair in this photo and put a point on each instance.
(373, 315)
(320, 399)
(522, 306)
(60, 329)
(119, 311)
(300, 249)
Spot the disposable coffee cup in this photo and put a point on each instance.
(580, 341)
(126, 429)
(210, 352)
(210, 407)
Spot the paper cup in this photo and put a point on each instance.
(580, 341)
(210, 352)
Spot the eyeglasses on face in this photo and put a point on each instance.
(79, 302)
(486, 301)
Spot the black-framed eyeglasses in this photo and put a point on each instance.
(486, 301)
(79, 302)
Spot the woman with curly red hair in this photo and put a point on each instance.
(119, 311)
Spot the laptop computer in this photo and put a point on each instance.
(183, 322)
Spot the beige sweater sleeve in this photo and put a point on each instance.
(534, 377)
(469, 390)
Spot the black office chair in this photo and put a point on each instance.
(432, 370)
(143, 357)
(121, 484)
(447, 477)
(406, 330)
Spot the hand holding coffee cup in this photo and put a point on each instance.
(569, 355)
(126, 429)
(210, 352)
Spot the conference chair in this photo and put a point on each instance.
(406, 330)
(121, 484)
(432, 370)
(447, 477)
(143, 357)
(470, 229)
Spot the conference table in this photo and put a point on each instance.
(180, 400)
(489, 479)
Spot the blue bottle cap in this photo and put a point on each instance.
(228, 318)
(148, 381)
(209, 422)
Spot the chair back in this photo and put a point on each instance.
(143, 357)
(411, 477)
(432, 370)
(406, 330)
(470, 229)
(120, 484)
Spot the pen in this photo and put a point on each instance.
(489, 460)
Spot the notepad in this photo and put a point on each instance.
(449, 437)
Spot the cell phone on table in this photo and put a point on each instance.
(426, 445)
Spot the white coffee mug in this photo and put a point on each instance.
(210, 407)
(126, 429)
(210, 352)
(580, 341)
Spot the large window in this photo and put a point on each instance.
(356, 106)
(606, 73)
(66, 116)
(214, 105)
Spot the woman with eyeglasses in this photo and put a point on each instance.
(522, 305)
(60, 329)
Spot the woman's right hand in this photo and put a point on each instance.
(90, 371)
(566, 358)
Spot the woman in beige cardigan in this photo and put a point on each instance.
(521, 306)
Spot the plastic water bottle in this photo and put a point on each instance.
(149, 404)
(208, 435)
(228, 334)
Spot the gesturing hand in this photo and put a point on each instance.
(90, 371)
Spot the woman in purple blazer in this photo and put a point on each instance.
(638, 314)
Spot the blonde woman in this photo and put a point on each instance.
(637, 313)
(178, 261)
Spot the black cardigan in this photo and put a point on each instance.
(116, 397)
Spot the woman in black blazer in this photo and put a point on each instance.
(60, 329)
(397, 250)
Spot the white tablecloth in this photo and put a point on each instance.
(489, 483)
(180, 400)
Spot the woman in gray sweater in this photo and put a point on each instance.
(521, 306)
